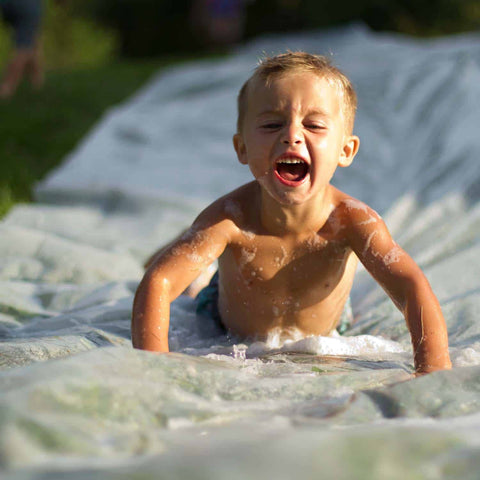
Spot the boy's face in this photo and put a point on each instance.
(293, 136)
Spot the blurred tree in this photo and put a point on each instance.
(6, 44)
(73, 41)
(425, 18)
(154, 27)
(69, 40)
(145, 27)
(274, 16)
(415, 17)
(83, 32)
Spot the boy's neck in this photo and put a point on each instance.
(281, 220)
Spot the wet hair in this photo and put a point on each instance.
(270, 68)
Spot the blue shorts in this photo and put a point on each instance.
(24, 16)
(207, 306)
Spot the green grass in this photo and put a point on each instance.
(37, 129)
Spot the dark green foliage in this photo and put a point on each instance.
(152, 27)
(69, 41)
(417, 17)
(146, 27)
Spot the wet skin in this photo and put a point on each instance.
(297, 281)
(288, 243)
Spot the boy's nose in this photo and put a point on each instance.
(291, 136)
(289, 141)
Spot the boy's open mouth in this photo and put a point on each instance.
(291, 171)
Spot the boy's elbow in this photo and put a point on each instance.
(413, 290)
(410, 285)
(153, 287)
(418, 285)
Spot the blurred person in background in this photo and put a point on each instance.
(218, 22)
(25, 18)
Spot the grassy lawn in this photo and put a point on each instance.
(37, 130)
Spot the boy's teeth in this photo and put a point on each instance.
(290, 160)
(291, 169)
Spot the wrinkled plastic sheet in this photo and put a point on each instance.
(76, 399)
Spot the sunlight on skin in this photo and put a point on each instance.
(288, 243)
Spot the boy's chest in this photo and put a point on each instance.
(292, 261)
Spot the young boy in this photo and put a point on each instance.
(288, 243)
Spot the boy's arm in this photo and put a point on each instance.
(168, 276)
(151, 259)
(406, 285)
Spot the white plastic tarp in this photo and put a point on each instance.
(343, 407)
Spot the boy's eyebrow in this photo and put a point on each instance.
(269, 112)
(321, 113)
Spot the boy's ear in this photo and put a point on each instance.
(240, 148)
(349, 150)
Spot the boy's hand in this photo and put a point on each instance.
(405, 284)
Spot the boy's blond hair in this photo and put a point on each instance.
(270, 68)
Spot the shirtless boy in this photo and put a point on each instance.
(288, 243)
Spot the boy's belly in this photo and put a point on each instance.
(250, 311)
(304, 291)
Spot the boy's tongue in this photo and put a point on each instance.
(293, 172)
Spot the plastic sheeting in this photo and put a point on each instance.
(332, 407)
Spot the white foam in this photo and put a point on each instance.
(357, 346)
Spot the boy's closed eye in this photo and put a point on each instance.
(315, 126)
(271, 126)
(316, 122)
(277, 125)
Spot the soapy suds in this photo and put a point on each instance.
(247, 256)
(353, 204)
(195, 258)
(370, 219)
(368, 242)
(393, 256)
(280, 337)
(192, 239)
(293, 340)
(335, 224)
(315, 242)
(280, 261)
(248, 234)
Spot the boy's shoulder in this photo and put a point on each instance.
(231, 211)
(353, 213)
(359, 224)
